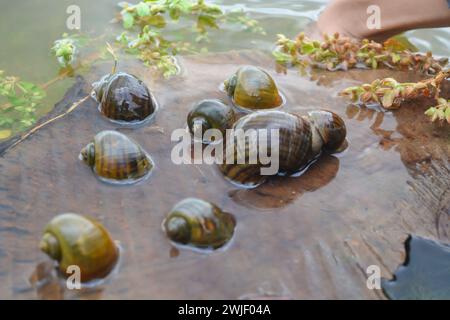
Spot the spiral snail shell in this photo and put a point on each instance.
(72, 239)
(252, 88)
(331, 129)
(199, 224)
(210, 114)
(124, 98)
(300, 141)
(115, 157)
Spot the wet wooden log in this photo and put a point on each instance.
(311, 236)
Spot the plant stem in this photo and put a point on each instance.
(38, 127)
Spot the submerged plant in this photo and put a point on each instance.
(390, 94)
(153, 50)
(66, 48)
(146, 35)
(343, 53)
(440, 112)
(22, 99)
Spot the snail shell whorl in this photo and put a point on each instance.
(200, 224)
(100, 86)
(295, 146)
(113, 155)
(88, 154)
(123, 97)
(71, 239)
(253, 88)
(211, 114)
(331, 128)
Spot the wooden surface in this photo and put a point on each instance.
(311, 236)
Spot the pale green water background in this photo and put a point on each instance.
(29, 28)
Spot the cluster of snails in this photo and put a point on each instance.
(301, 139)
(72, 239)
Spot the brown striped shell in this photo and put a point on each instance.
(115, 157)
(124, 98)
(299, 142)
(331, 128)
(199, 224)
(72, 239)
(252, 88)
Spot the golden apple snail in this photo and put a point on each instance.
(252, 88)
(200, 224)
(124, 98)
(210, 114)
(74, 240)
(301, 139)
(116, 158)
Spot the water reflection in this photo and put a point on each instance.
(278, 191)
(424, 151)
(50, 286)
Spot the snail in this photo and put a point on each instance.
(75, 240)
(200, 224)
(252, 88)
(115, 157)
(210, 114)
(301, 139)
(124, 98)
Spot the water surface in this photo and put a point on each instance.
(311, 236)
(28, 30)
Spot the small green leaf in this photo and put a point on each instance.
(282, 57)
(157, 21)
(395, 57)
(17, 101)
(27, 122)
(6, 121)
(28, 86)
(175, 13)
(142, 9)
(128, 19)
(374, 64)
(308, 48)
(447, 114)
(430, 112)
(207, 21)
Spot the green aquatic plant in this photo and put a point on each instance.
(391, 94)
(154, 50)
(21, 99)
(441, 112)
(343, 53)
(66, 48)
(147, 37)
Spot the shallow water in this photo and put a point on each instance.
(28, 30)
(311, 236)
